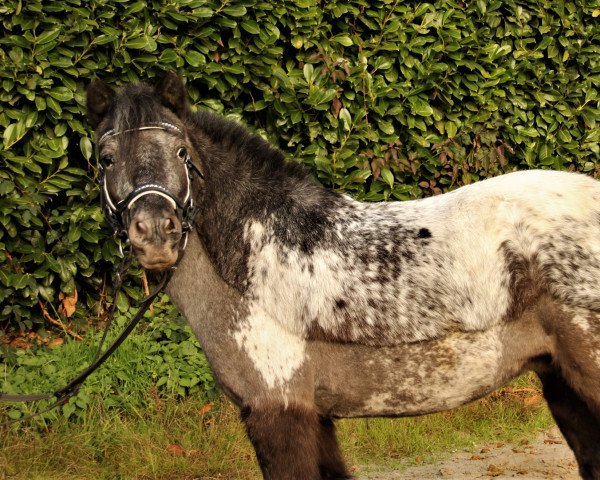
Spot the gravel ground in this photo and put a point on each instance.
(547, 457)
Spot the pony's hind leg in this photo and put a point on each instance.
(579, 425)
(285, 438)
(572, 385)
(331, 463)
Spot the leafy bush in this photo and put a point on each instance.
(164, 355)
(382, 99)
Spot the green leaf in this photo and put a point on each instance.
(528, 131)
(235, 10)
(168, 56)
(344, 40)
(40, 103)
(62, 94)
(6, 186)
(14, 414)
(203, 12)
(308, 72)
(54, 105)
(250, 26)
(10, 135)
(69, 409)
(388, 176)
(47, 36)
(451, 129)
(137, 43)
(345, 117)
(386, 127)
(135, 7)
(420, 107)
(104, 39)
(85, 144)
(122, 302)
(60, 129)
(13, 133)
(195, 59)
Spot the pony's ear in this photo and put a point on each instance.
(99, 97)
(172, 92)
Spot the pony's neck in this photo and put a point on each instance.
(213, 310)
(248, 181)
(200, 293)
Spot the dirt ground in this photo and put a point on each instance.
(547, 457)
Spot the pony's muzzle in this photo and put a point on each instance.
(155, 238)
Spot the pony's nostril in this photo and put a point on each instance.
(140, 231)
(170, 226)
(141, 228)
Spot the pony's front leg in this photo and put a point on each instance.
(285, 438)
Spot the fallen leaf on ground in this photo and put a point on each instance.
(20, 343)
(552, 441)
(176, 450)
(68, 302)
(55, 342)
(494, 471)
(533, 400)
(205, 409)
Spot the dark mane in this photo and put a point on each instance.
(252, 180)
(138, 105)
(250, 151)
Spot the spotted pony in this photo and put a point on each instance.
(311, 306)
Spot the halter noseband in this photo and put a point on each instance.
(114, 211)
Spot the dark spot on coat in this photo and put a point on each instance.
(340, 303)
(424, 233)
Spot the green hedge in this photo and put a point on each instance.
(380, 98)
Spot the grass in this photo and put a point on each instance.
(185, 439)
(169, 440)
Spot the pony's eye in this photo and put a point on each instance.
(106, 160)
(182, 153)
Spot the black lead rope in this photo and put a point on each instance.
(62, 395)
